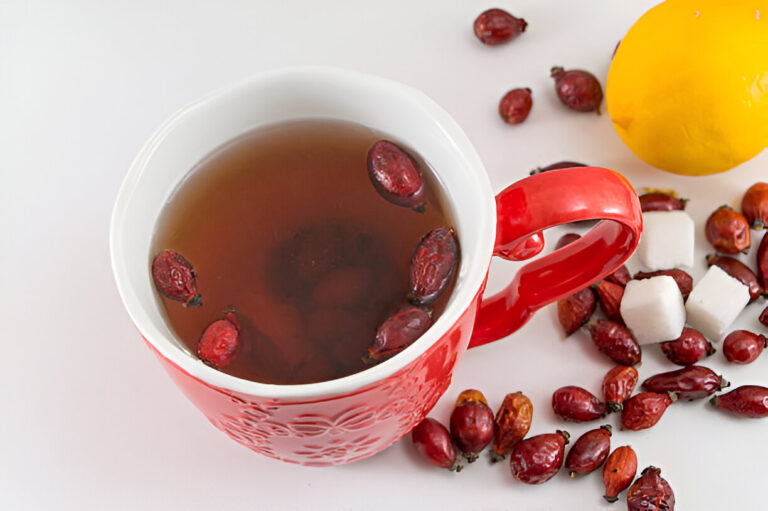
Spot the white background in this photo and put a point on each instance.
(89, 420)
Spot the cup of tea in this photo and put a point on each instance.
(348, 418)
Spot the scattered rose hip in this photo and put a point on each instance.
(764, 317)
(609, 296)
(220, 342)
(644, 410)
(432, 265)
(577, 404)
(497, 26)
(748, 400)
(511, 424)
(691, 382)
(620, 276)
(619, 471)
(650, 492)
(399, 331)
(738, 271)
(515, 105)
(174, 278)
(575, 310)
(687, 349)
(618, 385)
(683, 280)
(762, 262)
(743, 346)
(615, 341)
(432, 440)
(471, 423)
(661, 201)
(728, 231)
(754, 205)
(566, 239)
(396, 175)
(577, 89)
(537, 459)
(589, 451)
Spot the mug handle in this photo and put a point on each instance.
(544, 200)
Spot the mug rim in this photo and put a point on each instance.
(465, 290)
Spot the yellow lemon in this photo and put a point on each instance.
(687, 90)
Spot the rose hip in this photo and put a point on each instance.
(619, 471)
(620, 276)
(748, 400)
(762, 262)
(618, 385)
(578, 90)
(556, 166)
(650, 492)
(764, 317)
(692, 382)
(515, 106)
(577, 404)
(660, 201)
(174, 278)
(432, 265)
(396, 175)
(220, 341)
(615, 341)
(512, 422)
(754, 205)
(687, 349)
(609, 295)
(567, 239)
(497, 26)
(738, 271)
(471, 423)
(575, 310)
(728, 231)
(399, 331)
(644, 410)
(589, 451)
(683, 280)
(432, 440)
(537, 459)
(743, 346)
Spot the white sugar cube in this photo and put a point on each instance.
(667, 240)
(715, 302)
(653, 309)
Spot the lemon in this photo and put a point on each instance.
(687, 90)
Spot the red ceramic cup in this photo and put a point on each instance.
(356, 416)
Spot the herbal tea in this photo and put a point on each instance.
(303, 252)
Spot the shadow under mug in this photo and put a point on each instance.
(350, 418)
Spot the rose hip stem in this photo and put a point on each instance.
(692, 382)
(687, 349)
(432, 264)
(511, 424)
(618, 385)
(471, 423)
(589, 451)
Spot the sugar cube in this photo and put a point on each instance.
(653, 309)
(667, 240)
(715, 302)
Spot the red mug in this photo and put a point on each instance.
(350, 418)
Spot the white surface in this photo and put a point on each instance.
(668, 240)
(653, 309)
(91, 421)
(715, 302)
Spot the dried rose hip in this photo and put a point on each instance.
(683, 280)
(660, 201)
(556, 166)
(609, 295)
(575, 310)
(620, 276)
(728, 231)
(692, 382)
(515, 106)
(174, 278)
(399, 331)
(619, 471)
(578, 90)
(754, 205)
(497, 26)
(747, 400)
(687, 349)
(432, 265)
(567, 239)
(618, 385)
(650, 492)
(537, 459)
(220, 341)
(615, 341)
(577, 404)
(511, 424)
(589, 451)
(472, 423)
(396, 175)
(743, 346)
(644, 410)
(432, 440)
(762, 262)
(764, 317)
(738, 271)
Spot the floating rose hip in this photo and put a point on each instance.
(578, 90)
(589, 451)
(399, 331)
(618, 385)
(511, 424)
(556, 166)
(728, 231)
(575, 310)
(174, 278)
(687, 349)
(471, 423)
(609, 295)
(660, 201)
(692, 382)
(615, 341)
(738, 271)
(644, 410)
(396, 175)
(497, 26)
(577, 404)
(762, 262)
(683, 280)
(748, 400)
(743, 346)
(515, 106)
(619, 471)
(432, 265)
(754, 205)
(220, 342)
(537, 459)
(650, 492)
(432, 440)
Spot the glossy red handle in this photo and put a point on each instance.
(545, 200)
